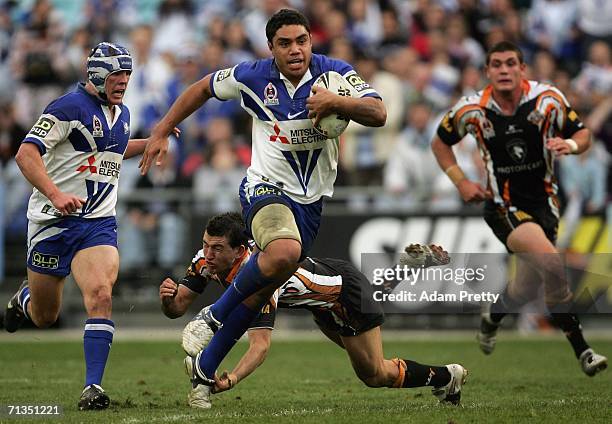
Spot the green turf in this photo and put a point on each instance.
(524, 381)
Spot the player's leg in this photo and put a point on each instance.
(283, 230)
(530, 240)
(95, 272)
(224, 339)
(332, 335)
(48, 261)
(45, 298)
(275, 231)
(504, 223)
(519, 290)
(366, 354)
(39, 299)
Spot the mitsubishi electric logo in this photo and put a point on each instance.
(90, 166)
(298, 136)
(278, 137)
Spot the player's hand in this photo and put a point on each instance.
(321, 104)
(156, 149)
(472, 192)
(168, 290)
(66, 203)
(226, 381)
(558, 146)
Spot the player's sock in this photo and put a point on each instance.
(503, 307)
(97, 343)
(24, 300)
(222, 342)
(413, 374)
(570, 325)
(248, 281)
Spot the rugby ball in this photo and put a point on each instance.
(332, 125)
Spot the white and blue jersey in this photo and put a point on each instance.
(288, 152)
(82, 148)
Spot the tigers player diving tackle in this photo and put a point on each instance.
(333, 290)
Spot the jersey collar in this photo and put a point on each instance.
(275, 73)
(487, 100)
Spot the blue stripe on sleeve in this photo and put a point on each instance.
(41, 147)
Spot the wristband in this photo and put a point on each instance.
(572, 145)
(455, 174)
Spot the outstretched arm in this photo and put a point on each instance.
(259, 344)
(187, 103)
(137, 145)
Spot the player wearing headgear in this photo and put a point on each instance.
(292, 167)
(72, 156)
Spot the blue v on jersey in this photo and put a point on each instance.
(287, 150)
(82, 149)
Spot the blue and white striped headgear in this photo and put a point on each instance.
(105, 59)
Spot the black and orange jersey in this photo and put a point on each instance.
(519, 168)
(335, 292)
(313, 286)
(198, 277)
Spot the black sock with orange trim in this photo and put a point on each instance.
(419, 375)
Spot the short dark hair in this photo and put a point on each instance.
(229, 225)
(505, 46)
(285, 17)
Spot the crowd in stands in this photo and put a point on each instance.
(420, 55)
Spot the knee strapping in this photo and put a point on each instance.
(273, 222)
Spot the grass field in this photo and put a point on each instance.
(311, 381)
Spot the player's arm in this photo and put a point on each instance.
(469, 190)
(259, 345)
(136, 146)
(572, 137)
(187, 103)
(32, 167)
(175, 298)
(578, 143)
(368, 111)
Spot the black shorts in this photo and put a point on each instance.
(348, 319)
(502, 220)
